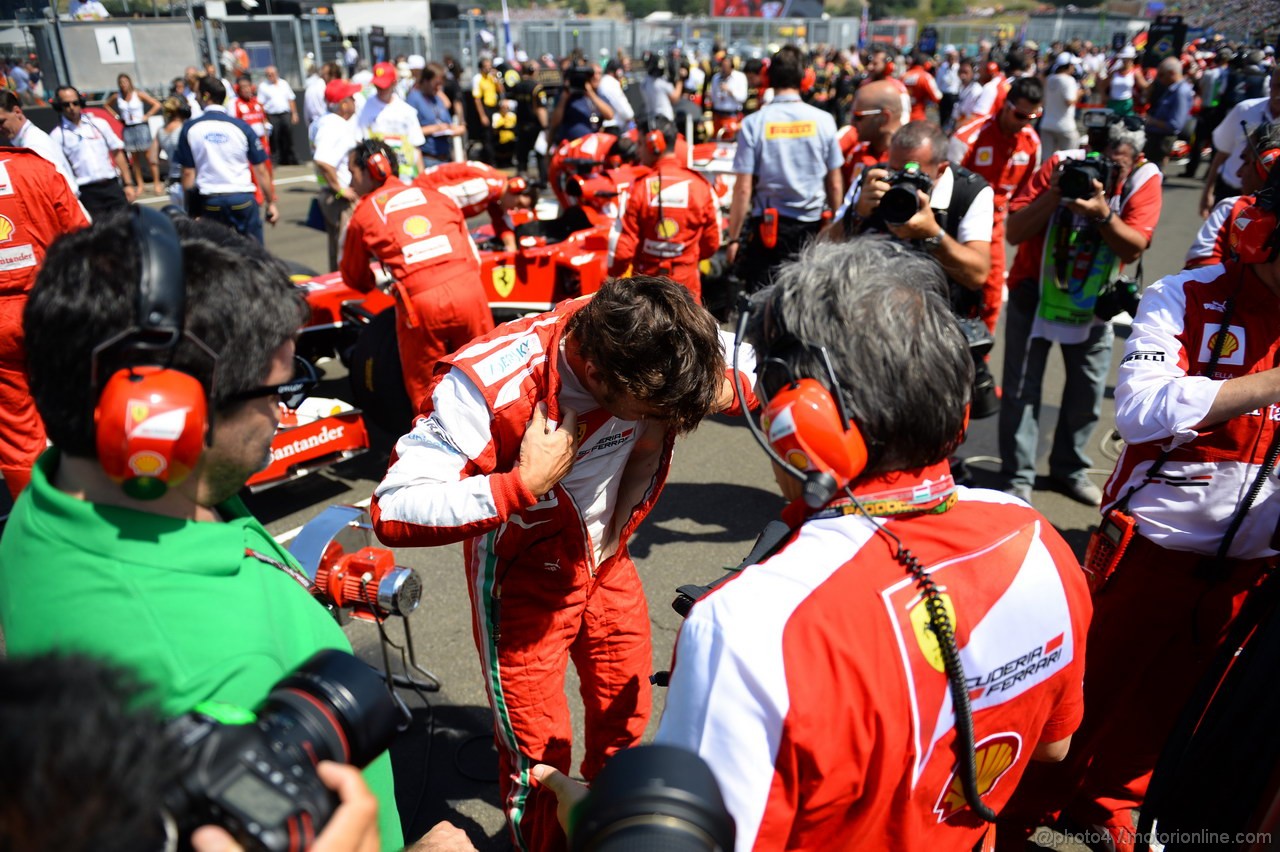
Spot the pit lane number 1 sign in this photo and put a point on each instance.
(115, 45)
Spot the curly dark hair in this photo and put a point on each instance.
(651, 339)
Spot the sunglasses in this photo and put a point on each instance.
(291, 393)
(1025, 116)
(857, 114)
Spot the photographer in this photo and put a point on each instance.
(102, 554)
(90, 766)
(660, 94)
(1071, 247)
(580, 109)
(812, 681)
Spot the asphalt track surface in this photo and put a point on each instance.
(720, 494)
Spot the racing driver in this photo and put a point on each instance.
(420, 238)
(542, 446)
(478, 188)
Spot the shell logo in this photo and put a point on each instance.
(925, 638)
(797, 459)
(147, 463)
(667, 228)
(6, 229)
(1229, 344)
(417, 226)
(993, 757)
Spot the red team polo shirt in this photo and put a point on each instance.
(1006, 163)
(923, 89)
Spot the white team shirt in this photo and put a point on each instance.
(275, 97)
(333, 138)
(37, 140)
(87, 147)
(396, 119)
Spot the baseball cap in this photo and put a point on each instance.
(417, 62)
(384, 75)
(1064, 58)
(339, 90)
(1127, 52)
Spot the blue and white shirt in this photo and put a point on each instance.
(222, 149)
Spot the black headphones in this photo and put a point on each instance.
(151, 420)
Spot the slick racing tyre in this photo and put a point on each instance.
(377, 382)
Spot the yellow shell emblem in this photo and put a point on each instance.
(667, 228)
(417, 226)
(1229, 344)
(992, 759)
(6, 229)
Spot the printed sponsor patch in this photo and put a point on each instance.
(1232, 346)
(985, 156)
(1020, 158)
(658, 248)
(790, 129)
(673, 194)
(1144, 355)
(508, 359)
(992, 758)
(424, 250)
(18, 257)
(403, 200)
(6, 229)
(417, 226)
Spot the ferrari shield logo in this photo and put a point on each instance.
(504, 280)
(138, 412)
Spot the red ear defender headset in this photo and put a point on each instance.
(656, 142)
(1255, 232)
(151, 420)
(804, 426)
(376, 162)
(515, 185)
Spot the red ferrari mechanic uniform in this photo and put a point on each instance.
(923, 89)
(549, 579)
(594, 147)
(1212, 243)
(858, 159)
(847, 137)
(671, 223)
(813, 687)
(1164, 612)
(420, 238)
(252, 114)
(1007, 162)
(475, 187)
(36, 207)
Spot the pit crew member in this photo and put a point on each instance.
(1213, 241)
(420, 238)
(672, 220)
(38, 210)
(1005, 150)
(542, 446)
(478, 188)
(186, 588)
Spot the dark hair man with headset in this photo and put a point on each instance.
(787, 167)
(95, 153)
(672, 220)
(158, 362)
(1189, 517)
(813, 681)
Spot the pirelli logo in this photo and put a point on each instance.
(790, 129)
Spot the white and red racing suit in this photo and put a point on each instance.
(549, 578)
(36, 207)
(1212, 244)
(671, 223)
(813, 688)
(420, 238)
(474, 187)
(251, 113)
(1162, 615)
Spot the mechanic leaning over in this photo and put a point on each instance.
(39, 208)
(787, 170)
(1194, 497)
(173, 579)
(479, 188)
(672, 220)
(542, 446)
(420, 238)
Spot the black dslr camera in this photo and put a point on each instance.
(652, 797)
(256, 776)
(899, 203)
(577, 78)
(983, 402)
(1076, 180)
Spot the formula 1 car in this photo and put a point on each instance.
(320, 433)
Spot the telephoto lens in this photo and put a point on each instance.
(652, 798)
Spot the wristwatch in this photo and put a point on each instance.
(932, 243)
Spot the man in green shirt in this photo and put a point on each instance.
(186, 588)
